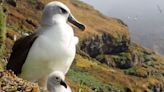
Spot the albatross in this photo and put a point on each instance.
(51, 48)
(56, 83)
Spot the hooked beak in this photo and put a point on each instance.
(72, 20)
(63, 83)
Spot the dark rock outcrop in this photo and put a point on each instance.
(12, 2)
(104, 44)
(114, 52)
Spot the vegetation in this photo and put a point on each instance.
(80, 4)
(80, 75)
(10, 83)
(33, 2)
(106, 59)
(2, 31)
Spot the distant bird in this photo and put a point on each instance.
(159, 8)
(135, 18)
(51, 48)
(56, 83)
(129, 17)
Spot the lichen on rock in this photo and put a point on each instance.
(9, 82)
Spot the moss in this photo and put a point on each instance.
(122, 60)
(33, 2)
(2, 64)
(138, 71)
(145, 55)
(2, 31)
(130, 71)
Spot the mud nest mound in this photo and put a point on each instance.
(9, 82)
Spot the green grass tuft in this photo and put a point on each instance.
(2, 31)
(83, 78)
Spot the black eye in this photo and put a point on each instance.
(63, 11)
(57, 78)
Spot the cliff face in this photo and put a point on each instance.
(106, 58)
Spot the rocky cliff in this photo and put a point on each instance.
(106, 60)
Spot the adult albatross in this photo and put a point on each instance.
(51, 48)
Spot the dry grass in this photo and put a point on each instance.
(87, 74)
(113, 76)
(88, 16)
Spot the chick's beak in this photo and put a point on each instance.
(63, 83)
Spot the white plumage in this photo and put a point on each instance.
(55, 47)
(56, 83)
(53, 50)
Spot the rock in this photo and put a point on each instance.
(40, 6)
(128, 90)
(12, 2)
(121, 60)
(156, 88)
(9, 82)
(103, 44)
(31, 22)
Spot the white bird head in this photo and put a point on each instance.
(56, 79)
(56, 12)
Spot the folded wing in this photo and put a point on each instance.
(19, 53)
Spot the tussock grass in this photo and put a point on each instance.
(2, 31)
(88, 75)
(81, 4)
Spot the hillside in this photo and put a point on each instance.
(106, 60)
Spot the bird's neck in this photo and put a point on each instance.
(61, 32)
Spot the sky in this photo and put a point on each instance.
(145, 18)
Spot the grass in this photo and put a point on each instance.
(81, 4)
(122, 60)
(86, 79)
(131, 78)
(87, 74)
(2, 64)
(84, 76)
(2, 31)
(33, 2)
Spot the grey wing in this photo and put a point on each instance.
(19, 53)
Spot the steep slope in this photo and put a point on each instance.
(106, 58)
